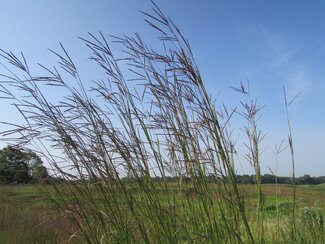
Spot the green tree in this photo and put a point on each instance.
(306, 179)
(20, 166)
(13, 165)
(37, 171)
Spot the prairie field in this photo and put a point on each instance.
(28, 216)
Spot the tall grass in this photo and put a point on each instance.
(115, 137)
(293, 179)
(277, 150)
(254, 136)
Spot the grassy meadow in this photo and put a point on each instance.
(27, 216)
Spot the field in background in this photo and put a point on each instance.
(320, 187)
(27, 217)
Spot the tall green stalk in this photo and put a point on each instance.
(293, 179)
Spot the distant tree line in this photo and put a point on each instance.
(20, 166)
(271, 179)
(266, 179)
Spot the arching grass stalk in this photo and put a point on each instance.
(293, 179)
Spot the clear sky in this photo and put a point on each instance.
(269, 43)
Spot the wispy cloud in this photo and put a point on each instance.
(298, 80)
(276, 48)
(282, 58)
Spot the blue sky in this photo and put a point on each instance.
(269, 43)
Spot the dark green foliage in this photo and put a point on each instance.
(20, 166)
(13, 166)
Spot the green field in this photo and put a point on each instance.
(26, 216)
(320, 187)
